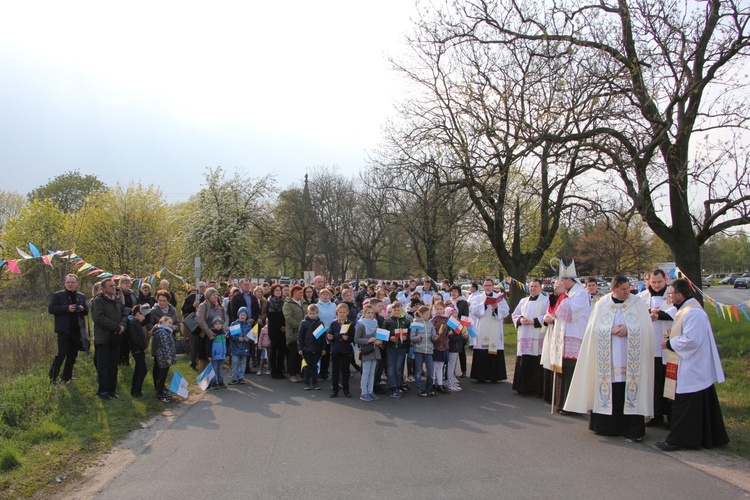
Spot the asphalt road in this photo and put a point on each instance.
(271, 439)
(727, 295)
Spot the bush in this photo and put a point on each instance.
(25, 402)
(44, 432)
(9, 458)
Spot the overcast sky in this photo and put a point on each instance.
(158, 91)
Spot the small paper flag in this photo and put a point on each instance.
(319, 331)
(453, 324)
(382, 334)
(179, 385)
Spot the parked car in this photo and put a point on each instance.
(729, 280)
(742, 283)
(706, 282)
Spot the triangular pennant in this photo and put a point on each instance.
(13, 267)
(736, 313)
(744, 312)
(94, 271)
(34, 250)
(46, 259)
(23, 254)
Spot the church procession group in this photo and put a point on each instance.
(628, 361)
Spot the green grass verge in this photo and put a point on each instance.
(733, 341)
(48, 434)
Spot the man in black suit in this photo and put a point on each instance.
(244, 299)
(69, 308)
(190, 305)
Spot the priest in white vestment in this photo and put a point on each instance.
(614, 375)
(487, 311)
(528, 318)
(563, 340)
(657, 300)
(693, 367)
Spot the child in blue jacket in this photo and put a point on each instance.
(216, 351)
(241, 345)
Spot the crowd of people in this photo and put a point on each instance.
(629, 361)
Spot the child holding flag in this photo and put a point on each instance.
(311, 343)
(241, 345)
(364, 336)
(456, 341)
(165, 355)
(423, 334)
(216, 350)
(398, 347)
(339, 336)
(440, 347)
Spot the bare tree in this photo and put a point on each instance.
(488, 120)
(675, 70)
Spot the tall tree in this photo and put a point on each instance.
(227, 226)
(674, 69)
(487, 120)
(39, 222)
(128, 230)
(11, 204)
(69, 191)
(293, 230)
(332, 197)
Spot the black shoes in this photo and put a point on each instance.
(665, 446)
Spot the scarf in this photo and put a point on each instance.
(370, 325)
(275, 304)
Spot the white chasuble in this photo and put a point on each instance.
(597, 367)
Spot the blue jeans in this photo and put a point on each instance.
(419, 359)
(395, 366)
(368, 376)
(238, 366)
(218, 365)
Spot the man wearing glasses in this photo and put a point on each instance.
(693, 367)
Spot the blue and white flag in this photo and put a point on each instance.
(417, 326)
(453, 324)
(179, 385)
(382, 334)
(319, 331)
(471, 332)
(206, 376)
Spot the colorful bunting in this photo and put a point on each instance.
(34, 251)
(23, 254)
(13, 267)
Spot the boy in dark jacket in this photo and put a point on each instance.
(309, 347)
(138, 343)
(397, 348)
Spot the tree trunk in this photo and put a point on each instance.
(687, 255)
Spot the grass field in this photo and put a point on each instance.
(50, 433)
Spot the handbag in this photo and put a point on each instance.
(367, 349)
(182, 345)
(85, 342)
(191, 323)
